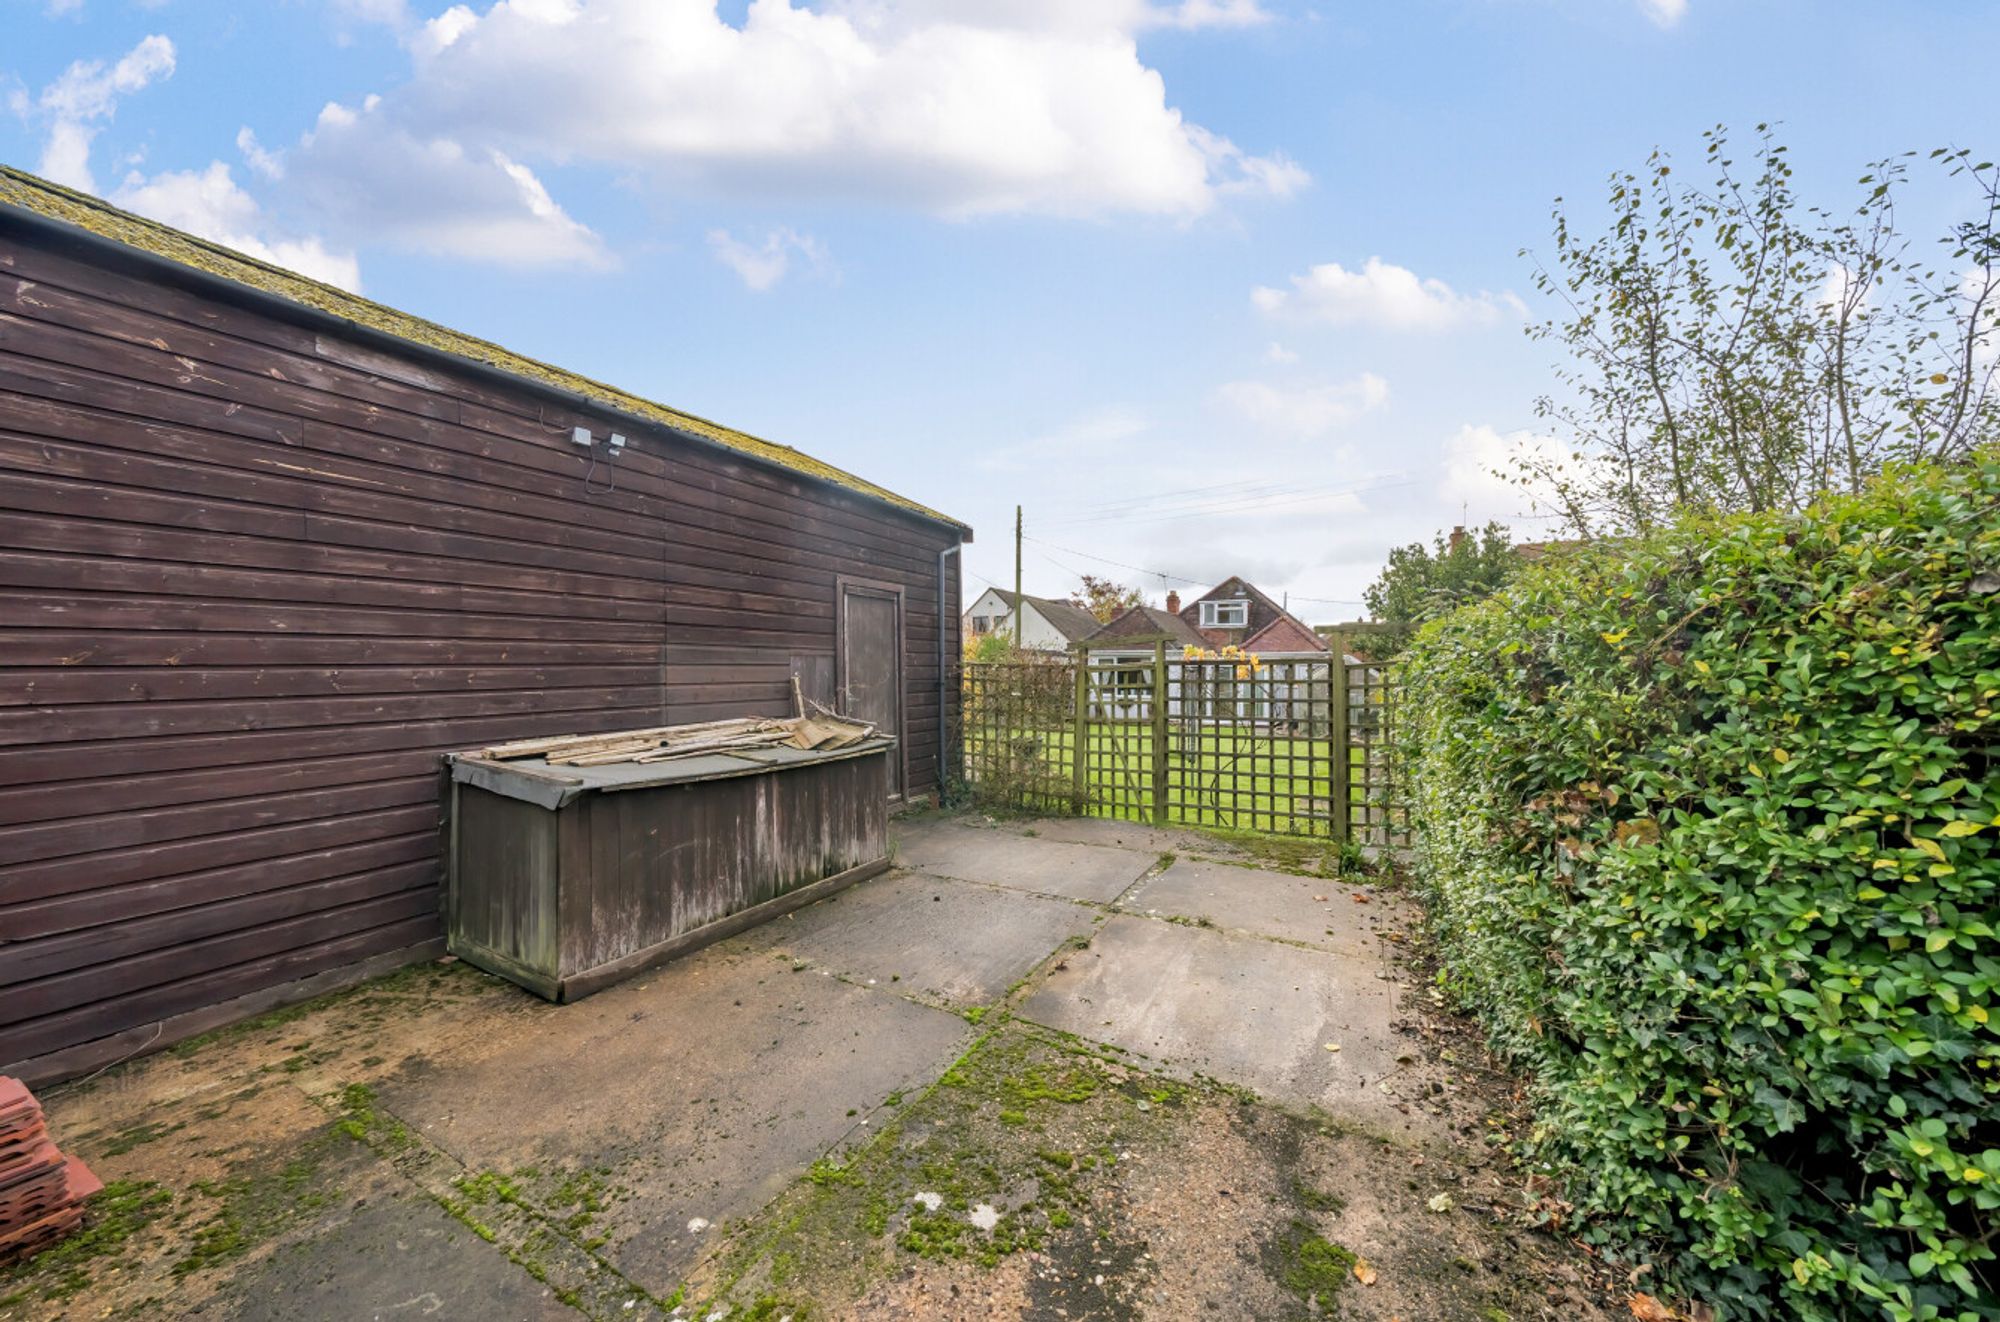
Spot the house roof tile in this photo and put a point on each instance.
(1069, 619)
(1144, 624)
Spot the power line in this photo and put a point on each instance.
(1152, 573)
(1239, 494)
(1102, 560)
(1209, 488)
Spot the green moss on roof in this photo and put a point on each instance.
(32, 193)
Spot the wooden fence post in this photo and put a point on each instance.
(1080, 736)
(1159, 713)
(1341, 803)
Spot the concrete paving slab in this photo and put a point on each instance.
(396, 1255)
(1310, 910)
(946, 940)
(1000, 858)
(695, 1093)
(1246, 1011)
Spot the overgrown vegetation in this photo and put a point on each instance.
(1735, 348)
(1106, 599)
(1709, 825)
(1423, 582)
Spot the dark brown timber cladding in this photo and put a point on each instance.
(255, 577)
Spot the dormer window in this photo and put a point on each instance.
(1225, 614)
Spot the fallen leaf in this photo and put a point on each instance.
(1648, 1309)
(1363, 1272)
(1320, 899)
(1638, 831)
(1359, 898)
(1440, 1202)
(1333, 1046)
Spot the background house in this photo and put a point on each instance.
(1235, 613)
(1232, 614)
(1124, 647)
(272, 548)
(1047, 625)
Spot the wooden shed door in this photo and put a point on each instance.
(871, 663)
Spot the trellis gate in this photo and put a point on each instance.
(1176, 740)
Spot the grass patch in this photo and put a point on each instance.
(1239, 778)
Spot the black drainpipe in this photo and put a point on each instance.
(944, 738)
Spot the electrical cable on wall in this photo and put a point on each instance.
(615, 444)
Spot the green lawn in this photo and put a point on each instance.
(1238, 778)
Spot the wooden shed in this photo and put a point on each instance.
(269, 549)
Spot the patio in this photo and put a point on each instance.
(1068, 1068)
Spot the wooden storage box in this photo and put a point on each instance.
(567, 879)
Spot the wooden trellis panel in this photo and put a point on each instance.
(1378, 810)
(1250, 748)
(1017, 734)
(1295, 747)
(1118, 776)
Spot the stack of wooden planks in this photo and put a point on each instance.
(41, 1191)
(666, 742)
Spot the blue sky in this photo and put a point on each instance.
(1208, 286)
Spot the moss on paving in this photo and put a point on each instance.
(544, 1222)
(137, 1136)
(370, 998)
(1309, 1265)
(122, 1210)
(1022, 1123)
(214, 1222)
(1032, 1124)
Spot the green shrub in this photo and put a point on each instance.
(1709, 825)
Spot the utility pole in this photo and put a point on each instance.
(1017, 577)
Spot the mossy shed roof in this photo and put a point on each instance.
(34, 194)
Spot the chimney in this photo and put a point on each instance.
(1457, 538)
(1173, 602)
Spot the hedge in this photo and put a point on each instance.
(1709, 831)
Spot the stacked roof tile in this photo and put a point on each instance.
(42, 1192)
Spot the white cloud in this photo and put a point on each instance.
(1235, 171)
(62, 8)
(270, 164)
(1192, 14)
(763, 265)
(209, 204)
(1280, 355)
(366, 177)
(1664, 13)
(1381, 295)
(443, 30)
(86, 95)
(1479, 463)
(1305, 411)
(956, 107)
